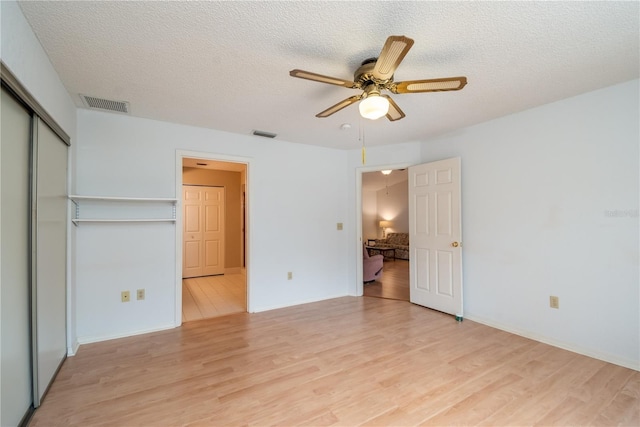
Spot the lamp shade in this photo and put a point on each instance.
(373, 107)
(386, 224)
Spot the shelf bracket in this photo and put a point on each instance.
(77, 212)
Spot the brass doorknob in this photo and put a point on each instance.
(455, 244)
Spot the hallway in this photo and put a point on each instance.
(394, 283)
(213, 296)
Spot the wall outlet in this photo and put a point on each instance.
(289, 275)
(339, 226)
(125, 296)
(140, 294)
(554, 302)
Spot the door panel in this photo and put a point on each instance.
(212, 254)
(212, 219)
(192, 254)
(422, 269)
(15, 348)
(422, 212)
(435, 263)
(443, 214)
(444, 260)
(50, 276)
(192, 218)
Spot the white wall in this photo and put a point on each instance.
(294, 205)
(393, 205)
(370, 228)
(550, 207)
(21, 52)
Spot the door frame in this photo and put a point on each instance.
(200, 155)
(359, 171)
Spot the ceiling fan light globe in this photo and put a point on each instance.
(374, 107)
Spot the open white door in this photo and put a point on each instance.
(435, 232)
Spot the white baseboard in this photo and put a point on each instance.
(71, 351)
(631, 364)
(276, 307)
(89, 340)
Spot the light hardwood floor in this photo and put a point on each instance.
(213, 296)
(393, 284)
(345, 362)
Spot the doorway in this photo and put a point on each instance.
(218, 286)
(435, 267)
(384, 198)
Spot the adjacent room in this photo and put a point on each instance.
(320, 213)
(385, 231)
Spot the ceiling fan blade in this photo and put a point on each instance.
(432, 85)
(320, 78)
(394, 113)
(393, 52)
(339, 106)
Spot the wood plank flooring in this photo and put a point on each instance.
(393, 284)
(213, 296)
(345, 362)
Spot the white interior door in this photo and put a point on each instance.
(435, 236)
(203, 234)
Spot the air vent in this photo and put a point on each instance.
(264, 134)
(105, 104)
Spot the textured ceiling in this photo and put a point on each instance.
(225, 65)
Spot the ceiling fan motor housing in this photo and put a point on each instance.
(364, 79)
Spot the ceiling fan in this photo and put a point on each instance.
(375, 75)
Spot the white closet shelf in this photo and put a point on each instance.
(77, 200)
(78, 220)
(123, 199)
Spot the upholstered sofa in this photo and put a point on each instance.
(397, 241)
